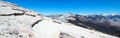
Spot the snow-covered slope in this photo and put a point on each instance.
(52, 28)
(109, 24)
(18, 22)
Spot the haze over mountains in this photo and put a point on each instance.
(18, 22)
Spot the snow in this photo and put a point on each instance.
(47, 29)
(3, 10)
(50, 29)
(20, 26)
(12, 26)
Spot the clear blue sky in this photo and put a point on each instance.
(73, 6)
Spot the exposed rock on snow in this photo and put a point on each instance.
(17, 22)
(51, 29)
(109, 24)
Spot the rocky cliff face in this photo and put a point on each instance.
(17, 22)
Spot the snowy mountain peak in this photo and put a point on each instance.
(98, 22)
(18, 22)
(109, 14)
(69, 14)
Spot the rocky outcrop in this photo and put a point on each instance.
(16, 22)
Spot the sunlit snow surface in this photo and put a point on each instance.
(47, 28)
(50, 29)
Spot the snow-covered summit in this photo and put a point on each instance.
(18, 22)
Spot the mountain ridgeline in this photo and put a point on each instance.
(109, 24)
(19, 22)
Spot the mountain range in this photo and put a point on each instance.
(109, 24)
(19, 22)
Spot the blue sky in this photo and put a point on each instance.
(73, 6)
